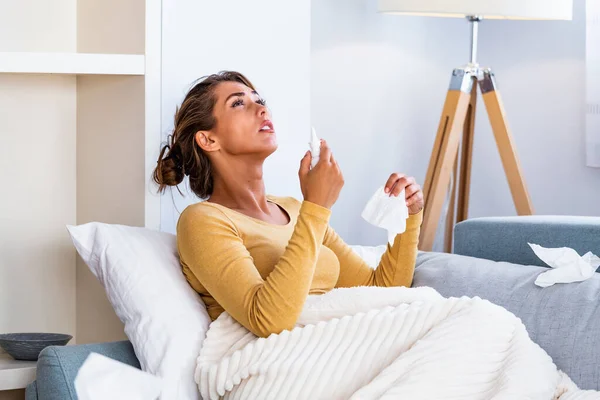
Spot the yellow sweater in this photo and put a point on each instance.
(261, 273)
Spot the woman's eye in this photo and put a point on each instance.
(238, 102)
(262, 102)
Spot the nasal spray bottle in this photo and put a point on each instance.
(315, 148)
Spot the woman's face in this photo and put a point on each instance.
(243, 122)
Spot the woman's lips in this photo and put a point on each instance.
(267, 127)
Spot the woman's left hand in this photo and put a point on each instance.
(413, 193)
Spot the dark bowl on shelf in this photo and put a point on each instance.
(27, 346)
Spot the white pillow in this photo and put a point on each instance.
(164, 318)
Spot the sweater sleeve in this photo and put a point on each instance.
(214, 251)
(397, 264)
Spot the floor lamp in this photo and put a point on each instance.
(456, 128)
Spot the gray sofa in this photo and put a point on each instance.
(492, 260)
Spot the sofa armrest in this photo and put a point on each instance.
(57, 367)
(31, 391)
(506, 238)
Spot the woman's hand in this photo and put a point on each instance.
(322, 184)
(413, 194)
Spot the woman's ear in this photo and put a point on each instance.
(206, 141)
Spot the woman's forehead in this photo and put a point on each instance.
(227, 88)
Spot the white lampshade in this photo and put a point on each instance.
(492, 9)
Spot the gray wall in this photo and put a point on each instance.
(378, 83)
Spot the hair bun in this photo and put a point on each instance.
(169, 169)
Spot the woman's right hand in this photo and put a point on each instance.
(322, 184)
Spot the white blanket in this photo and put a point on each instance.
(383, 343)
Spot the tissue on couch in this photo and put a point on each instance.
(567, 265)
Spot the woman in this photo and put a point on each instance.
(257, 256)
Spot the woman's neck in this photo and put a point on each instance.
(240, 187)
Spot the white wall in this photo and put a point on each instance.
(110, 110)
(37, 168)
(37, 171)
(379, 81)
(102, 30)
(38, 25)
(56, 133)
(541, 72)
(110, 132)
(269, 42)
(376, 97)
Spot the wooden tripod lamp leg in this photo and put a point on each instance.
(444, 154)
(505, 144)
(466, 158)
(462, 177)
(450, 217)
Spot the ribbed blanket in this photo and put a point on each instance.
(384, 343)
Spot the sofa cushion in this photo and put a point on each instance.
(563, 319)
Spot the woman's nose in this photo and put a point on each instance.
(262, 110)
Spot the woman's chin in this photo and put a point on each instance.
(271, 145)
(265, 146)
(271, 149)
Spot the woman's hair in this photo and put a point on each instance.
(181, 155)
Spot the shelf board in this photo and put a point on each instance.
(15, 374)
(72, 63)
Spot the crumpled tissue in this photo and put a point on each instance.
(567, 265)
(101, 378)
(387, 212)
(315, 148)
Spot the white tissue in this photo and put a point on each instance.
(387, 212)
(101, 378)
(315, 148)
(567, 265)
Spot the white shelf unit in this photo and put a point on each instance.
(80, 132)
(71, 63)
(15, 374)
